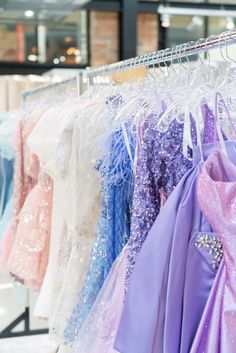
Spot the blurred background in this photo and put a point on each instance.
(36, 36)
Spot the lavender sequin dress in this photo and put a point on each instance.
(161, 165)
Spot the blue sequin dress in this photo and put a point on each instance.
(114, 225)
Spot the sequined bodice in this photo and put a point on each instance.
(218, 182)
(160, 167)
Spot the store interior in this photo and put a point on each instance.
(49, 52)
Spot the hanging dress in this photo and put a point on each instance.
(8, 127)
(51, 141)
(29, 254)
(217, 186)
(26, 168)
(180, 255)
(76, 204)
(99, 329)
(114, 225)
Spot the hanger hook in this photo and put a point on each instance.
(208, 39)
(226, 44)
(198, 43)
(172, 60)
(220, 47)
(180, 53)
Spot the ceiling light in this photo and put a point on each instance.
(197, 21)
(229, 23)
(68, 39)
(32, 57)
(56, 61)
(73, 51)
(62, 59)
(187, 11)
(165, 20)
(29, 13)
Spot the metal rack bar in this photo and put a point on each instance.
(169, 54)
(48, 87)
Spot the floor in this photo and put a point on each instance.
(13, 300)
(29, 344)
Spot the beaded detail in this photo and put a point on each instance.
(213, 246)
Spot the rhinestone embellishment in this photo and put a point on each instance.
(213, 245)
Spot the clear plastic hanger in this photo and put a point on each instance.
(189, 101)
(227, 89)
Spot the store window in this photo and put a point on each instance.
(217, 25)
(183, 29)
(67, 40)
(59, 42)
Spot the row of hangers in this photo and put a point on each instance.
(183, 83)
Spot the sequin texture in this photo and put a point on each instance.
(160, 167)
(214, 247)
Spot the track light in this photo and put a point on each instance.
(165, 20)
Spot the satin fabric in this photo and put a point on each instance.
(217, 329)
(170, 287)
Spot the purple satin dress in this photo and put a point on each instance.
(217, 186)
(174, 273)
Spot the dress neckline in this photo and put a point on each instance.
(217, 158)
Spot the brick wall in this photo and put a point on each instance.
(104, 38)
(147, 33)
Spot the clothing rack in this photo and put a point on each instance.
(51, 86)
(76, 80)
(184, 50)
(225, 39)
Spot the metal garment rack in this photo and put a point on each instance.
(184, 50)
(76, 80)
(25, 316)
(168, 55)
(22, 318)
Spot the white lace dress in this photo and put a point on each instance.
(83, 188)
(51, 141)
(62, 142)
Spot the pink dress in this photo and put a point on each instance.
(29, 256)
(29, 232)
(217, 198)
(26, 170)
(25, 178)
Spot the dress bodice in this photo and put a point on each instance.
(217, 198)
(51, 138)
(216, 192)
